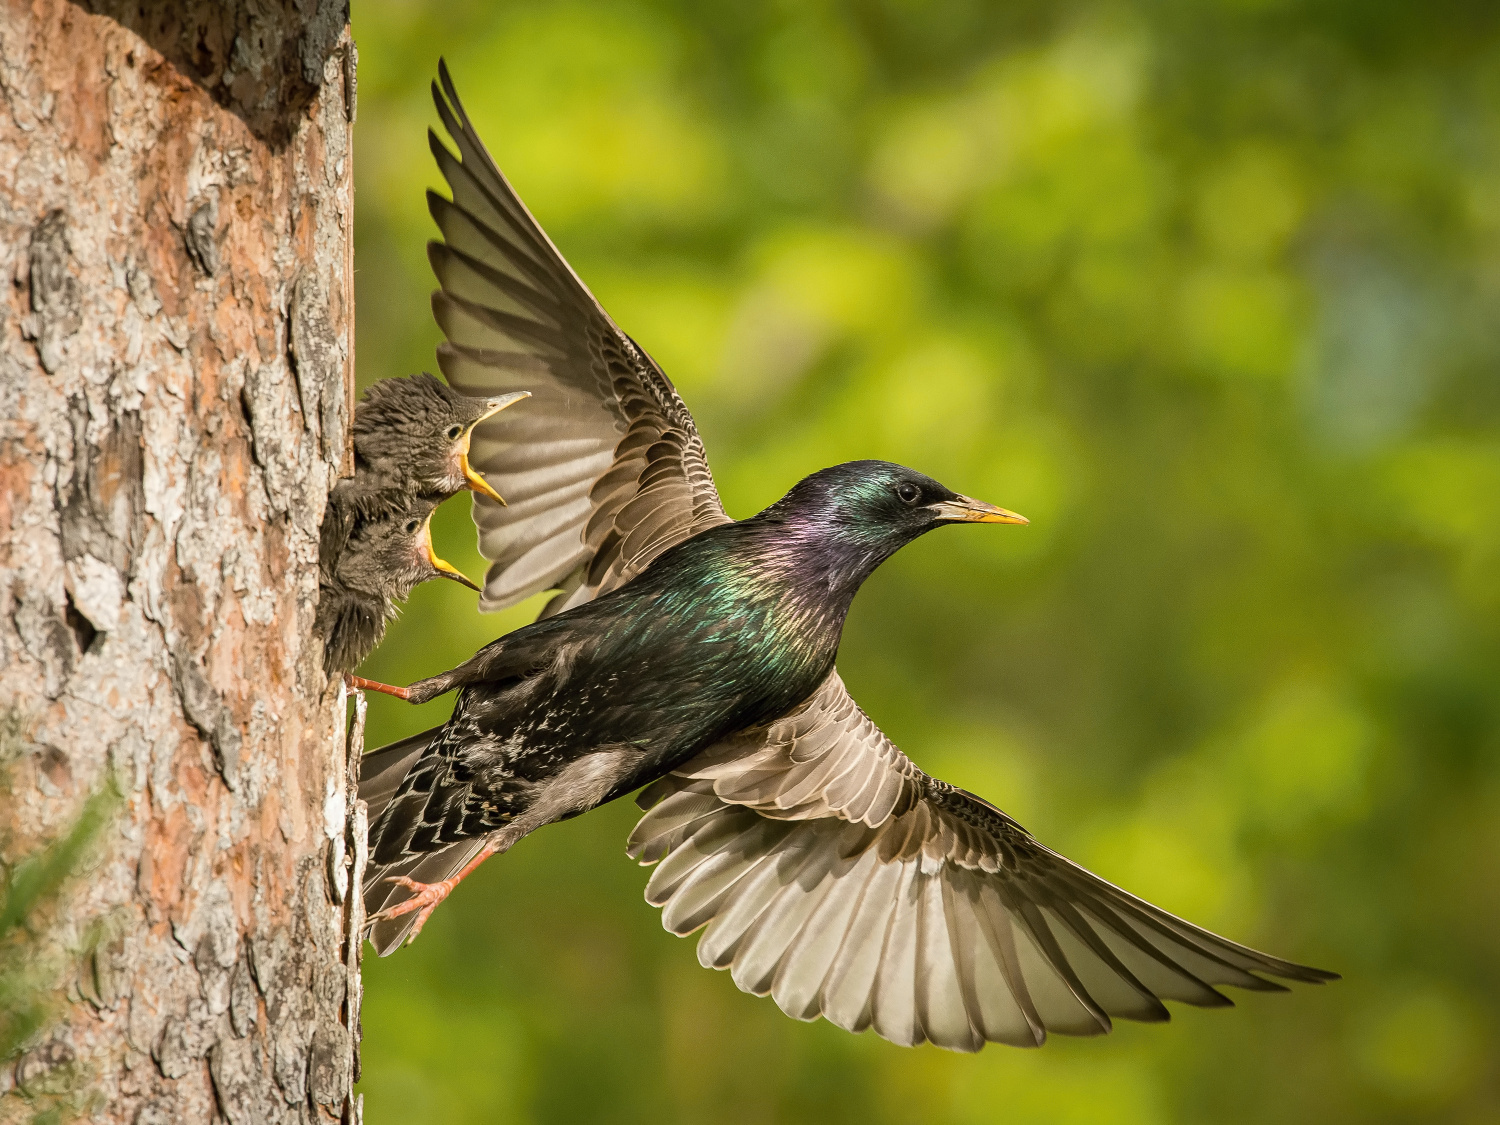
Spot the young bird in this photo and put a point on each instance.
(411, 438)
(411, 441)
(361, 577)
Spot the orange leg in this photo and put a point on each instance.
(376, 685)
(428, 895)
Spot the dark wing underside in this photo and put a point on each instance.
(835, 875)
(603, 468)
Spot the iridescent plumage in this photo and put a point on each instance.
(695, 656)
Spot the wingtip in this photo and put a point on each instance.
(1103, 1025)
(447, 80)
(1156, 1012)
(1299, 974)
(1265, 985)
(1317, 976)
(449, 108)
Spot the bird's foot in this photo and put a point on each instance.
(425, 898)
(376, 685)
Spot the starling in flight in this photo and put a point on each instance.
(378, 561)
(694, 655)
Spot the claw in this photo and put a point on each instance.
(425, 898)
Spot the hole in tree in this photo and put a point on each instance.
(83, 629)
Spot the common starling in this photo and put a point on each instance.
(361, 577)
(411, 451)
(411, 438)
(694, 655)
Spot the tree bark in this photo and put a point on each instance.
(176, 371)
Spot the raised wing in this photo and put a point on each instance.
(604, 469)
(835, 875)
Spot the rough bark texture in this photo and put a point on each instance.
(176, 366)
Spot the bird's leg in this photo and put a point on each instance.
(434, 686)
(426, 896)
(419, 692)
(376, 685)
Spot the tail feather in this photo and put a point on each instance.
(381, 773)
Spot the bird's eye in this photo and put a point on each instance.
(908, 492)
(453, 431)
(412, 525)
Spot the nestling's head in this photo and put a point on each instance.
(391, 556)
(419, 428)
(862, 512)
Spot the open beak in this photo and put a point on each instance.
(965, 509)
(477, 482)
(442, 566)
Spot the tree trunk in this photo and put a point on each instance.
(176, 369)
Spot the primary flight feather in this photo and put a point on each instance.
(694, 655)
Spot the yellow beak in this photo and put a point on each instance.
(965, 509)
(477, 482)
(442, 566)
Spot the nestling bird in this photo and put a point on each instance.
(379, 562)
(411, 451)
(694, 655)
(411, 438)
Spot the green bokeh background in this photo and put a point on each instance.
(1208, 289)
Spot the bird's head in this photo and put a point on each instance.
(393, 555)
(421, 422)
(865, 511)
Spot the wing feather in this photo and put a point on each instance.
(805, 968)
(777, 927)
(829, 871)
(848, 993)
(942, 1010)
(605, 439)
(894, 1004)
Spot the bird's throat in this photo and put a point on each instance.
(823, 571)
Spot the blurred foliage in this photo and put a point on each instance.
(1208, 291)
(32, 962)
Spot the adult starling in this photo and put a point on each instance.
(377, 563)
(411, 438)
(694, 655)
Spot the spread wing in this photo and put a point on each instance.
(835, 875)
(603, 469)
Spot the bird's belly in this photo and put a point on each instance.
(660, 711)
